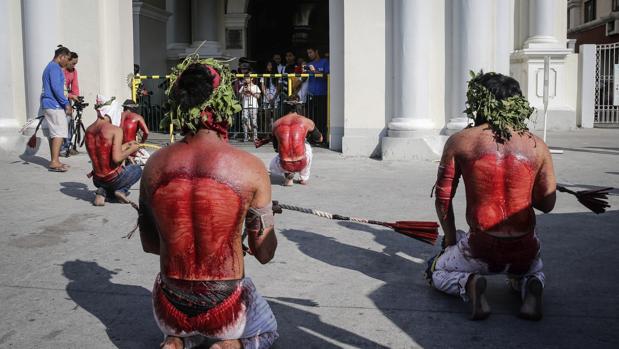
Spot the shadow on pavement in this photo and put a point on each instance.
(35, 159)
(301, 329)
(576, 247)
(124, 310)
(77, 190)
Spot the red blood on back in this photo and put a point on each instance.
(498, 193)
(99, 149)
(291, 138)
(199, 221)
(130, 127)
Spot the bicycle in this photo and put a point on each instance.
(76, 127)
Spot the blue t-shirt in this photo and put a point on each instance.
(53, 96)
(318, 86)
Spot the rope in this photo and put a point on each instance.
(307, 210)
(324, 214)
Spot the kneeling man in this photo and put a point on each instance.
(294, 152)
(195, 196)
(507, 172)
(107, 153)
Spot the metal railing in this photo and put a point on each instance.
(149, 92)
(606, 112)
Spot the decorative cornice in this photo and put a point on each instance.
(238, 20)
(573, 3)
(594, 23)
(149, 11)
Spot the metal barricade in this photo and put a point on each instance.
(606, 87)
(149, 92)
(292, 97)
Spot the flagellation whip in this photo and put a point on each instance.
(596, 199)
(32, 142)
(420, 230)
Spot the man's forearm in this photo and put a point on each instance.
(447, 223)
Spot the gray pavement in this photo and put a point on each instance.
(68, 279)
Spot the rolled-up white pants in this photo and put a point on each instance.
(276, 168)
(456, 264)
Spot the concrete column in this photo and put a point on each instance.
(586, 110)
(541, 24)
(411, 131)
(504, 35)
(470, 51)
(337, 77)
(204, 26)
(41, 23)
(12, 115)
(178, 28)
(411, 62)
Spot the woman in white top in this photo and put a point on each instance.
(271, 89)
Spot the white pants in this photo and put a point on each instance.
(276, 168)
(456, 264)
(250, 119)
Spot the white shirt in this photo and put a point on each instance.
(249, 101)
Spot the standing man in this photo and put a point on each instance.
(195, 196)
(277, 58)
(132, 122)
(294, 153)
(56, 106)
(317, 88)
(104, 143)
(507, 172)
(73, 90)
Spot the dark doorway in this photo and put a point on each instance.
(276, 26)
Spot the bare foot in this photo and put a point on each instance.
(172, 342)
(288, 179)
(227, 344)
(99, 200)
(475, 288)
(531, 308)
(121, 197)
(303, 182)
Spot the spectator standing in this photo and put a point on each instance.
(317, 88)
(277, 58)
(73, 90)
(249, 93)
(270, 92)
(56, 106)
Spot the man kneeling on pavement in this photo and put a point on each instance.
(107, 154)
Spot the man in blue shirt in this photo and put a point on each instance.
(317, 89)
(56, 106)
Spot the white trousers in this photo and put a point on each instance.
(276, 168)
(456, 264)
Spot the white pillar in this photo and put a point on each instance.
(411, 62)
(204, 26)
(541, 24)
(12, 114)
(178, 28)
(41, 20)
(470, 51)
(504, 39)
(546, 38)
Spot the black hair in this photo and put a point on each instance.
(62, 51)
(270, 81)
(193, 87)
(501, 86)
(74, 55)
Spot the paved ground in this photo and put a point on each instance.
(68, 278)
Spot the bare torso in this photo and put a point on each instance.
(499, 181)
(196, 193)
(99, 139)
(290, 131)
(131, 123)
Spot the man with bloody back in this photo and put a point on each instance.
(104, 143)
(294, 152)
(131, 123)
(507, 172)
(195, 197)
